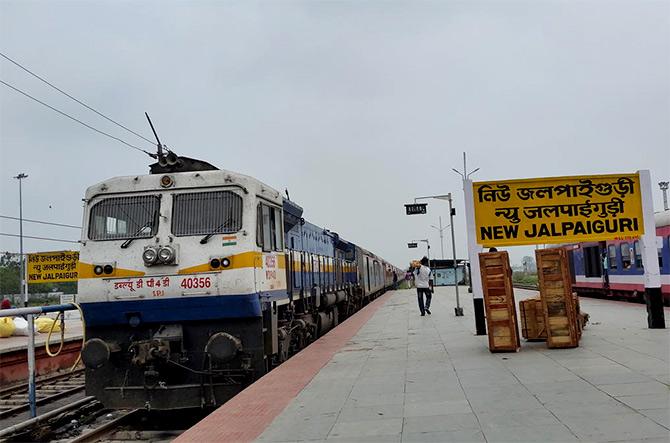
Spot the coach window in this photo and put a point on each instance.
(660, 252)
(638, 254)
(611, 257)
(592, 262)
(625, 255)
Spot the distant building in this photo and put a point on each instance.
(443, 272)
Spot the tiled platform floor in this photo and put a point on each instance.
(409, 378)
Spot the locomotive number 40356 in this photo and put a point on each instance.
(196, 282)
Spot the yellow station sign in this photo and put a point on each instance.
(51, 267)
(558, 209)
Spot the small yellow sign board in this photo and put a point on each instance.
(50, 267)
(557, 209)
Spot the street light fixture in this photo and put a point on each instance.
(441, 230)
(32, 395)
(22, 277)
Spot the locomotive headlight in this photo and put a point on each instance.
(166, 254)
(150, 255)
(225, 262)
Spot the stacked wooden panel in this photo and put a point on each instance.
(499, 302)
(559, 308)
(532, 319)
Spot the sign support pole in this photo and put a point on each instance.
(652, 275)
(473, 257)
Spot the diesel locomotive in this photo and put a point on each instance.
(196, 281)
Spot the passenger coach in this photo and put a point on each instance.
(615, 269)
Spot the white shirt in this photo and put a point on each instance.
(422, 277)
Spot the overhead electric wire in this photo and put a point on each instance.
(40, 221)
(39, 238)
(75, 119)
(75, 99)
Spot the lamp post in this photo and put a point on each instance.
(664, 190)
(29, 317)
(458, 310)
(441, 230)
(22, 277)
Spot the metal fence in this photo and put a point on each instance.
(29, 314)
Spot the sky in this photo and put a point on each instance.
(357, 107)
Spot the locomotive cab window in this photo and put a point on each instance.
(122, 218)
(269, 229)
(204, 213)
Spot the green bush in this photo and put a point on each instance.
(523, 278)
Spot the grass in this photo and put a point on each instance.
(523, 278)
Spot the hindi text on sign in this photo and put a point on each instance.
(557, 210)
(51, 267)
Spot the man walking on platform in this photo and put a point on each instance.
(422, 282)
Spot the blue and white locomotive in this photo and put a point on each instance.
(196, 281)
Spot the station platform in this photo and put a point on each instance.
(388, 374)
(14, 353)
(73, 331)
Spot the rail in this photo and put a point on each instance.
(523, 286)
(29, 312)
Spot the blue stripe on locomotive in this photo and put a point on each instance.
(176, 309)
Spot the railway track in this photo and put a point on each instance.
(86, 421)
(529, 287)
(14, 399)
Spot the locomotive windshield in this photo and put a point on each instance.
(124, 218)
(205, 213)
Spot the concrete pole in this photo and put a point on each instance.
(652, 273)
(473, 256)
